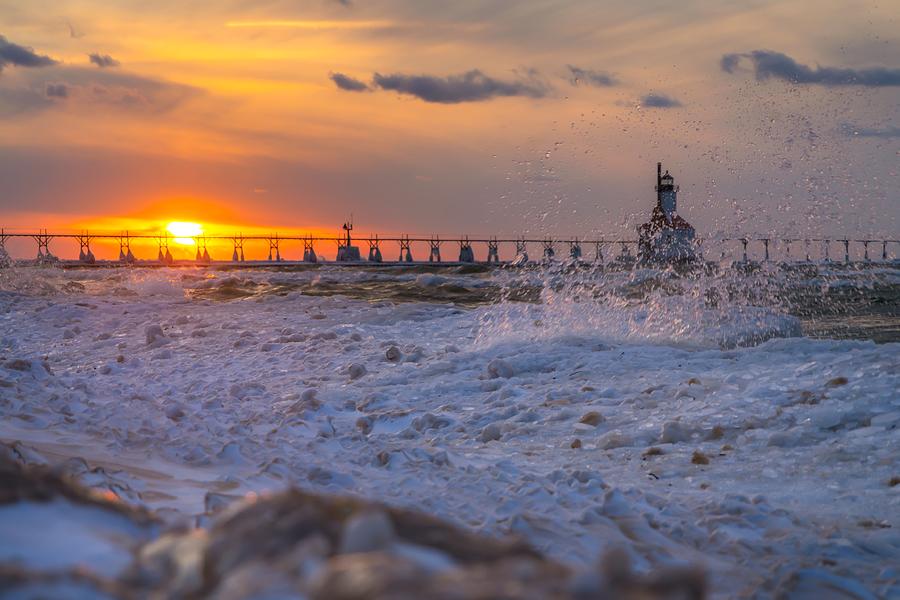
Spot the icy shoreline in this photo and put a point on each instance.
(755, 463)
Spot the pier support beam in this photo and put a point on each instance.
(521, 258)
(309, 253)
(846, 251)
(493, 255)
(435, 254)
(866, 250)
(549, 251)
(883, 250)
(827, 250)
(598, 252)
(744, 242)
(163, 242)
(405, 251)
(238, 254)
(85, 254)
(374, 251)
(806, 245)
(466, 254)
(202, 252)
(43, 241)
(274, 244)
(5, 260)
(766, 244)
(575, 250)
(125, 254)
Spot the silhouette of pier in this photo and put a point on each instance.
(492, 250)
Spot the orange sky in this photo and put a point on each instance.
(227, 113)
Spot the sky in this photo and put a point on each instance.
(542, 117)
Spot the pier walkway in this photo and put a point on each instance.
(462, 250)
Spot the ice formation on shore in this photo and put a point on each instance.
(671, 430)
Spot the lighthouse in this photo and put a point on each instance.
(667, 193)
(666, 237)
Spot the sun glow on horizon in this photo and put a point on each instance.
(184, 231)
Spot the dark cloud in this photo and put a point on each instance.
(730, 62)
(57, 90)
(103, 60)
(871, 132)
(88, 89)
(590, 77)
(347, 3)
(659, 101)
(345, 82)
(767, 63)
(472, 86)
(21, 56)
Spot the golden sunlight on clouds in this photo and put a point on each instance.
(314, 24)
(206, 107)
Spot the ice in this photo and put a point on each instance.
(471, 414)
(59, 535)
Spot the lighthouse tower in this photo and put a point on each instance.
(666, 237)
(666, 193)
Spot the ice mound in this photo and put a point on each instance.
(326, 547)
(48, 523)
(60, 540)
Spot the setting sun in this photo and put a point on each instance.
(184, 232)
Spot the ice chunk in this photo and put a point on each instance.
(356, 370)
(155, 335)
(499, 368)
(490, 433)
(673, 432)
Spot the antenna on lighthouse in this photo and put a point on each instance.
(348, 227)
(659, 184)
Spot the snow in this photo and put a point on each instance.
(469, 414)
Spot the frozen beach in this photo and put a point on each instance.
(712, 421)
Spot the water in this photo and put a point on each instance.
(728, 304)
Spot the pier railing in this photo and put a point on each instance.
(515, 249)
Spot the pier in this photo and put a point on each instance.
(430, 250)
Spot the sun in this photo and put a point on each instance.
(184, 231)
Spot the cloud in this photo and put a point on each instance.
(590, 77)
(767, 63)
(853, 131)
(57, 90)
(472, 86)
(103, 60)
(652, 100)
(74, 33)
(89, 89)
(21, 56)
(730, 62)
(315, 25)
(347, 83)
